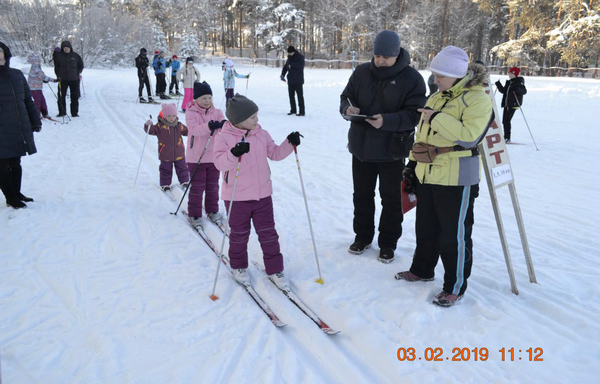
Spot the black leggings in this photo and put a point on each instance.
(10, 177)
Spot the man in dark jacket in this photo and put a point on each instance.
(512, 98)
(141, 63)
(20, 118)
(433, 88)
(390, 91)
(68, 66)
(294, 67)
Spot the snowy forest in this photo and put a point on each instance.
(545, 37)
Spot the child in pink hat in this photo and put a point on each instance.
(171, 149)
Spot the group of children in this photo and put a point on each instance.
(215, 145)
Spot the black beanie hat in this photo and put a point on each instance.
(189, 59)
(143, 50)
(7, 54)
(240, 108)
(201, 89)
(291, 49)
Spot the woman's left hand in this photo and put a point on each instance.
(376, 122)
(426, 114)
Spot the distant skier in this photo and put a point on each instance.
(241, 135)
(68, 66)
(229, 75)
(294, 67)
(203, 121)
(188, 75)
(36, 80)
(160, 66)
(171, 150)
(175, 65)
(512, 98)
(141, 63)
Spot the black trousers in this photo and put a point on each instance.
(161, 83)
(296, 90)
(174, 83)
(507, 116)
(10, 178)
(73, 87)
(444, 226)
(364, 176)
(144, 80)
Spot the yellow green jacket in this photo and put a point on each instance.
(465, 113)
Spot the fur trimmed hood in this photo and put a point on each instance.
(477, 76)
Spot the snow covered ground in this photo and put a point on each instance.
(100, 284)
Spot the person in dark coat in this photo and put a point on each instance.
(294, 67)
(68, 66)
(391, 91)
(433, 88)
(19, 119)
(512, 98)
(141, 63)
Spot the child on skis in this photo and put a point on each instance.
(229, 75)
(175, 66)
(36, 80)
(171, 150)
(204, 123)
(241, 135)
(188, 75)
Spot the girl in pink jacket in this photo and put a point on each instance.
(241, 135)
(204, 122)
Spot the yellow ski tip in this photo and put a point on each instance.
(320, 281)
(214, 298)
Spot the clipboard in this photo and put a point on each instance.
(358, 118)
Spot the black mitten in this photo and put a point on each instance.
(410, 177)
(294, 138)
(240, 148)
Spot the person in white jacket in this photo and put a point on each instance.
(188, 75)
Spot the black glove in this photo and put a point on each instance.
(498, 83)
(294, 138)
(212, 125)
(410, 177)
(37, 128)
(240, 148)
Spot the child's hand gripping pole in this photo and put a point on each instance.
(312, 235)
(142, 156)
(213, 297)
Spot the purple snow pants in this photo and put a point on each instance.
(166, 172)
(261, 214)
(206, 180)
(40, 101)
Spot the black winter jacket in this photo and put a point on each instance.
(68, 66)
(18, 115)
(294, 67)
(403, 92)
(510, 88)
(141, 63)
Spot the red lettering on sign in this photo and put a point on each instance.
(496, 156)
(493, 139)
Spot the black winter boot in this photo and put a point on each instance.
(358, 247)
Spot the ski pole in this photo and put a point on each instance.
(312, 235)
(141, 157)
(82, 85)
(193, 173)
(237, 172)
(60, 102)
(247, 81)
(56, 97)
(524, 118)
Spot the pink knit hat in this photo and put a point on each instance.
(169, 109)
(451, 61)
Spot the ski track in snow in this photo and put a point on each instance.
(101, 284)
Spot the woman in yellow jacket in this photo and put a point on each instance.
(444, 170)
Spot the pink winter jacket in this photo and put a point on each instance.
(196, 119)
(254, 181)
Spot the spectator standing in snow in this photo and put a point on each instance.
(443, 170)
(171, 150)
(512, 98)
(242, 135)
(36, 80)
(204, 122)
(160, 66)
(431, 83)
(68, 67)
(294, 67)
(20, 118)
(142, 63)
(175, 65)
(188, 75)
(229, 75)
(391, 91)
